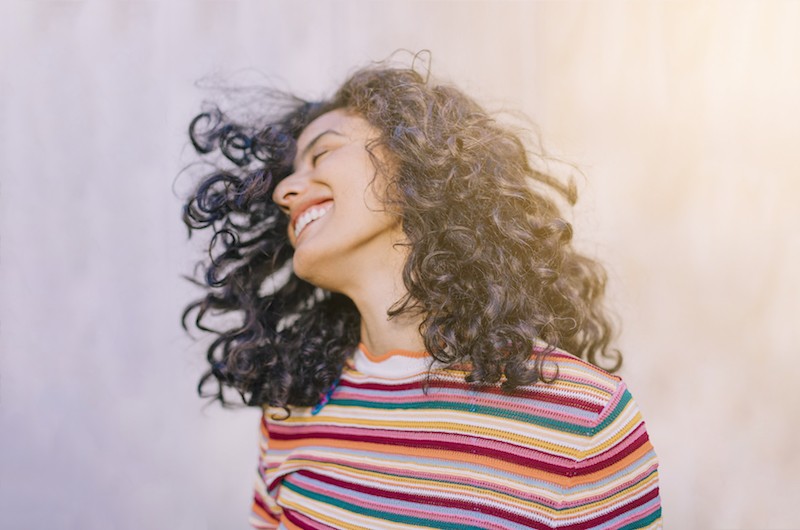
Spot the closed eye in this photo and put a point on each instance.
(317, 156)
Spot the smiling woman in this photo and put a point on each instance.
(431, 359)
(340, 230)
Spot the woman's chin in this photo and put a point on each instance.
(301, 266)
(309, 266)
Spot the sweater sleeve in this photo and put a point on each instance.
(265, 512)
(615, 481)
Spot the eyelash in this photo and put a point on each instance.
(315, 157)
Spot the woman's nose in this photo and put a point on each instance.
(288, 190)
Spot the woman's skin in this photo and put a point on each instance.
(354, 247)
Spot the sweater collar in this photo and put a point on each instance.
(395, 364)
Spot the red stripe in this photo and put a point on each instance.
(602, 461)
(631, 507)
(304, 522)
(508, 453)
(447, 502)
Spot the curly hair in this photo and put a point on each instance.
(490, 269)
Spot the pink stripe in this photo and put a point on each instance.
(473, 445)
(538, 391)
(630, 438)
(633, 481)
(630, 507)
(427, 514)
(503, 402)
(600, 464)
(446, 475)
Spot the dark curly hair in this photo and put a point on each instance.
(491, 268)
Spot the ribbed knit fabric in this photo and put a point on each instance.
(383, 453)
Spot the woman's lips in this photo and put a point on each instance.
(310, 215)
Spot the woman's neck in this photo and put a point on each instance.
(382, 335)
(378, 291)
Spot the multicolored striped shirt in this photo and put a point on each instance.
(393, 448)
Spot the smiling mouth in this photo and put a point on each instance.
(311, 215)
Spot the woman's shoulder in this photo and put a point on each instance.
(564, 371)
(582, 389)
(572, 396)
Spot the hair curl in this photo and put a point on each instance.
(491, 267)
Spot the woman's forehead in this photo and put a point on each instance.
(342, 121)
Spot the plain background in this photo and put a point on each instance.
(683, 117)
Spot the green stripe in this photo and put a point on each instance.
(490, 411)
(641, 523)
(623, 402)
(383, 516)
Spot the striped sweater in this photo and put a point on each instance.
(382, 452)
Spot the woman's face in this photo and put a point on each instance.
(338, 223)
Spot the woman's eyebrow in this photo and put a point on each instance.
(311, 144)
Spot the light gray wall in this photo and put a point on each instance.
(683, 116)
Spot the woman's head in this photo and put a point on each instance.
(338, 224)
(489, 265)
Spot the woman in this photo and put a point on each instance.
(405, 295)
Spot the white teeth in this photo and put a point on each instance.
(312, 214)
